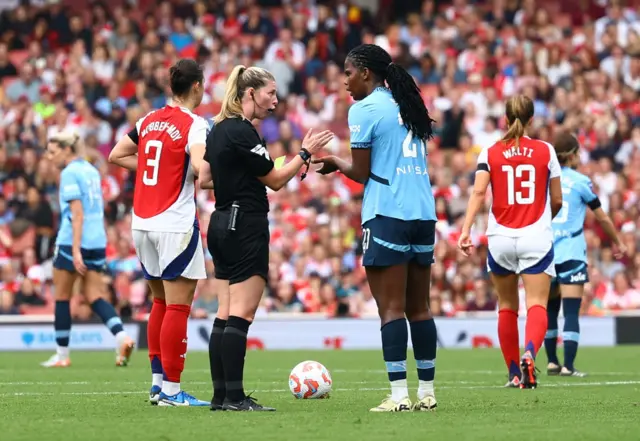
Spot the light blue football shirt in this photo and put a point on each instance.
(81, 181)
(569, 242)
(398, 185)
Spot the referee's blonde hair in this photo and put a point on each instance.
(68, 139)
(241, 79)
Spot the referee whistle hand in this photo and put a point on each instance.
(314, 142)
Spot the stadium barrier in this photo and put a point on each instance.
(306, 332)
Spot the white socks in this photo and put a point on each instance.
(425, 389)
(399, 390)
(169, 388)
(156, 380)
(63, 351)
(121, 337)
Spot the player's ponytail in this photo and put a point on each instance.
(412, 108)
(240, 79)
(519, 111)
(404, 90)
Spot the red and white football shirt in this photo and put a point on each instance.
(164, 195)
(520, 187)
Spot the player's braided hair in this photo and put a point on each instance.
(402, 85)
(566, 145)
(519, 112)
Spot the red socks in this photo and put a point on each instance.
(510, 339)
(173, 341)
(536, 329)
(154, 325)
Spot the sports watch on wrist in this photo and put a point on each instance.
(306, 157)
(304, 154)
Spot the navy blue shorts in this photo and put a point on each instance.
(387, 241)
(94, 260)
(571, 272)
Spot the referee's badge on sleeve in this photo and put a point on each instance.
(261, 150)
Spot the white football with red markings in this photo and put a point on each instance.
(310, 380)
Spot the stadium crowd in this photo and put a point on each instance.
(97, 68)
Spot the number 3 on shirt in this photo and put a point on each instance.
(152, 162)
(409, 148)
(520, 172)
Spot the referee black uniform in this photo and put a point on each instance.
(238, 235)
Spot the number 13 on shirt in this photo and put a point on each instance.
(523, 175)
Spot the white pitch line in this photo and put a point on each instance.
(441, 371)
(360, 389)
(190, 383)
(44, 383)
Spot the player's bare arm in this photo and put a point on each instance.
(125, 154)
(205, 177)
(607, 225)
(77, 218)
(196, 155)
(476, 201)
(555, 193)
(357, 170)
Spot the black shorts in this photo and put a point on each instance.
(240, 254)
(388, 242)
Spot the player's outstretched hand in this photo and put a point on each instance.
(464, 243)
(314, 142)
(329, 165)
(78, 262)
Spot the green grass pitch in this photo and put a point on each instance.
(94, 400)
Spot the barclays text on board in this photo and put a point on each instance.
(42, 337)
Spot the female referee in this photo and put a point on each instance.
(570, 249)
(80, 247)
(238, 163)
(523, 173)
(390, 127)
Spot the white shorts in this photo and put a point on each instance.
(520, 255)
(167, 256)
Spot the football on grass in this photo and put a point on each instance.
(310, 380)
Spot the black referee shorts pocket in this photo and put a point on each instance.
(220, 239)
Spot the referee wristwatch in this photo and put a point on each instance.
(306, 157)
(304, 154)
